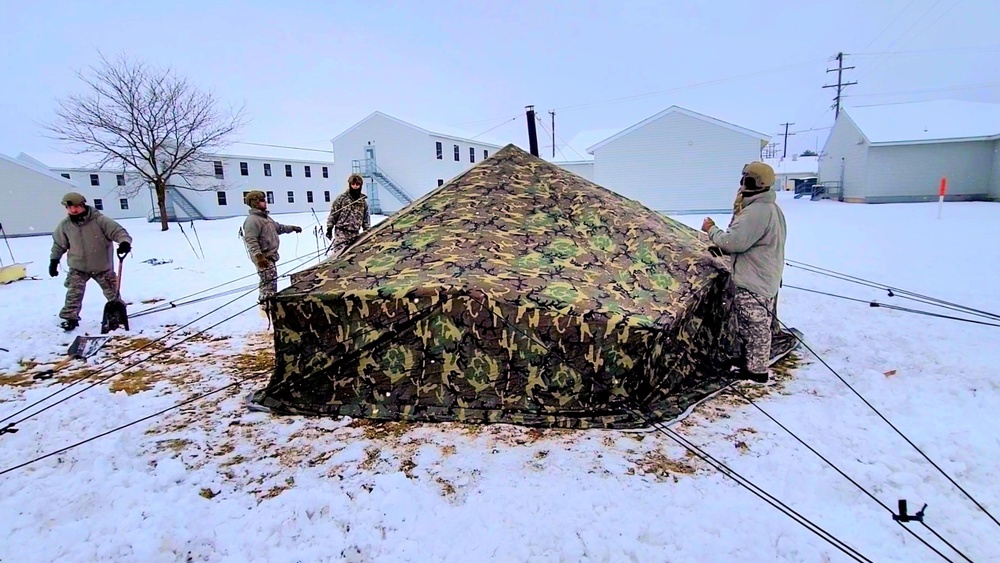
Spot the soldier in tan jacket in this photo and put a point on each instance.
(86, 236)
(756, 241)
(260, 234)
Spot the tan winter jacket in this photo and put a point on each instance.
(260, 233)
(88, 242)
(756, 239)
(349, 216)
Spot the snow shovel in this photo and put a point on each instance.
(115, 313)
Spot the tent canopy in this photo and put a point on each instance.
(518, 292)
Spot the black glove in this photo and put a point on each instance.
(296, 229)
(329, 232)
(53, 268)
(124, 248)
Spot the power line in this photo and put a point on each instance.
(285, 147)
(925, 91)
(690, 86)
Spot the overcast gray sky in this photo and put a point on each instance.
(309, 69)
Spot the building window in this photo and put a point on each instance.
(123, 203)
(65, 175)
(309, 173)
(456, 153)
(291, 197)
(440, 182)
(439, 149)
(95, 180)
(267, 169)
(326, 197)
(245, 196)
(99, 204)
(121, 179)
(309, 197)
(472, 154)
(218, 169)
(326, 172)
(288, 170)
(221, 196)
(244, 169)
(486, 154)
(270, 198)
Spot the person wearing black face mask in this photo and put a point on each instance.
(349, 215)
(86, 235)
(756, 240)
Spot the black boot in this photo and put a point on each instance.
(746, 375)
(69, 324)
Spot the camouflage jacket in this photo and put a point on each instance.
(349, 216)
(88, 242)
(260, 233)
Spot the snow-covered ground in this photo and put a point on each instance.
(212, 481)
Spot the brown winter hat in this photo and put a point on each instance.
(355, 178)
(73, 198)
(253, 197)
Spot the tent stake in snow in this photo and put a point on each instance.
(904, 517)
(4, 233)
(181, 225)
(197, 238)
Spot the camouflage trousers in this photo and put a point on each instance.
(76, 286)
(753, 314)
(341, 242)
(268, 283)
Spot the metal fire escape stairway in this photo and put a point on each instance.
(375, 176)
(174, 197)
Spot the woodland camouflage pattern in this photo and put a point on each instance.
(518, 293)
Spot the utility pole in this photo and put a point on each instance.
(840, 85)
(785, 151)
(532, 134)
(552, 112)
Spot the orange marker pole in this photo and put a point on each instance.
(941, 191)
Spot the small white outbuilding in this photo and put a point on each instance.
(677, 161)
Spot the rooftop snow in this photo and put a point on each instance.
(794, 165)
(927, 121)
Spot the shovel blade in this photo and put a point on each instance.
(115, 316)
(86, 346)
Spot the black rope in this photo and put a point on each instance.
(886, 420)
(756, 490)
(123, 370)
(122, 359)
(176, 302)
(876, 304)
(849, 478)
(839, 544)
(4, 233)
(892, 291)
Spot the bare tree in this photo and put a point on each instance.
(148, 122)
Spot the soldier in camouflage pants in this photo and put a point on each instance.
(756, 241)
(85, 236)
(349, 215)
(260, 234)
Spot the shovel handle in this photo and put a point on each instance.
(121, 268)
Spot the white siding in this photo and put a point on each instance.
(677, 163)
(844, 158)
(234, 184)
(995, 176)
(31, 200)
(107, 195)
(584, 169)
(914, 172)
(407, 155)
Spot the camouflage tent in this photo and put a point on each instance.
(518, 292)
